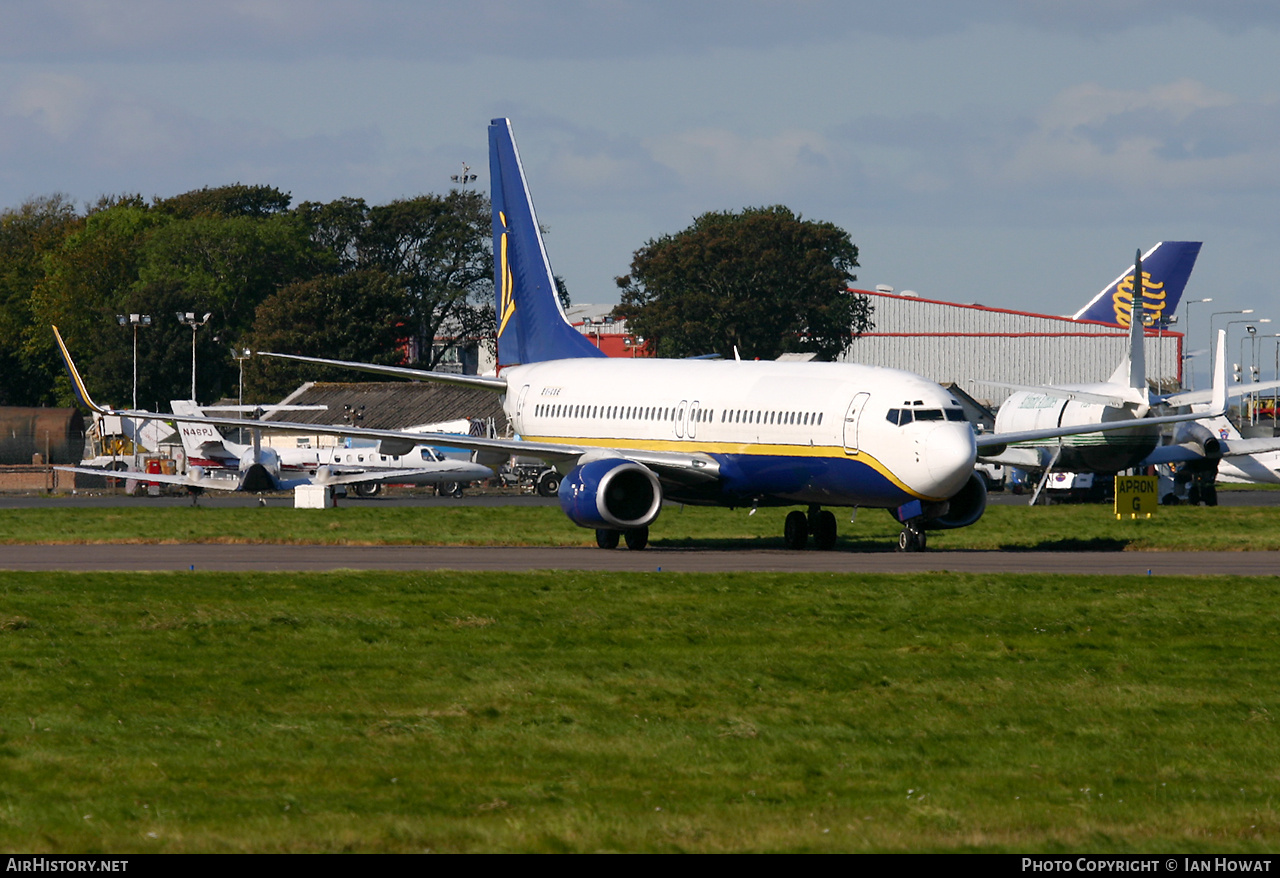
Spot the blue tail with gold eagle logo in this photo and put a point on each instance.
(531, 324)
(1165, 269)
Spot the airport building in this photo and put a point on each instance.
(959, 344)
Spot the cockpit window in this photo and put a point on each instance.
(905, 416)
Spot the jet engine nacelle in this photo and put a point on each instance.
(1199, 436)
(612, 493)
(965, 508)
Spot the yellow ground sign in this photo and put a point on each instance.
(1136, 495)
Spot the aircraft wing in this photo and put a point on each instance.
(498, 385)
(1195, 397)
(195, 479)
(683, 468)
(444, 472)
(988, 441)
(1068, 393)
(1185, 452)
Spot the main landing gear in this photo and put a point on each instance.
(819, 522)
(637, 538)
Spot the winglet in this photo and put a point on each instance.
(77, 383)
(1218, 406)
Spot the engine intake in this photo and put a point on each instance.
(615, 494)
(964, 508)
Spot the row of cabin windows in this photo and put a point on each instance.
(662, 413)
(348, 457)
(616, 412)
(748, 416)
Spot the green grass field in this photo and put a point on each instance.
(637, 712)
(1002, 527)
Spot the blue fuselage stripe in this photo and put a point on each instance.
(787, 479)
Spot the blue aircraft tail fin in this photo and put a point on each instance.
(1165, 268)
(531, 324)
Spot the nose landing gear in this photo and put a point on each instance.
(912, 538)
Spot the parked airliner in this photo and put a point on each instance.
(1166, 269)
(1125, 396)
(629, 434)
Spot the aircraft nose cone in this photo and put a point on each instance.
(950, 452)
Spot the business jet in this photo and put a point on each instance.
(629, 434)
(206, 446)
(1214, 451)
(213, 463)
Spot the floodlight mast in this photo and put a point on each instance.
(188, 318)
(134, 320)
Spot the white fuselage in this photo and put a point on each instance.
(206, 447)
(1090, 452)
(783, 432)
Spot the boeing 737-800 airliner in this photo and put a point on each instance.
(630, 434)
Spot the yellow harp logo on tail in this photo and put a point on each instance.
(507, 306)
(1152, 300)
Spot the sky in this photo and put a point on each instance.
(1013, 153)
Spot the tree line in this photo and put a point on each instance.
(343, 279)
(400, 283)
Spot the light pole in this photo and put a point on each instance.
(240, 355)
(134, 320)
(1191, 376)
(465, 177)
(1212, 339)
(188, 318)
(1253, 333)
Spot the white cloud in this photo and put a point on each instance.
(748, 168)
(1178, 136)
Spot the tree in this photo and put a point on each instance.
(439, 248)
(763, 280)
(359, 316)
(28, 234)
(89, 279)
(234, 200)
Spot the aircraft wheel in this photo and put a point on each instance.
(637, 538)
(549, 484)
(449, 489)
(367, 489)
(824, 530)
(795, 530)
(911, 539)
(607, 539)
